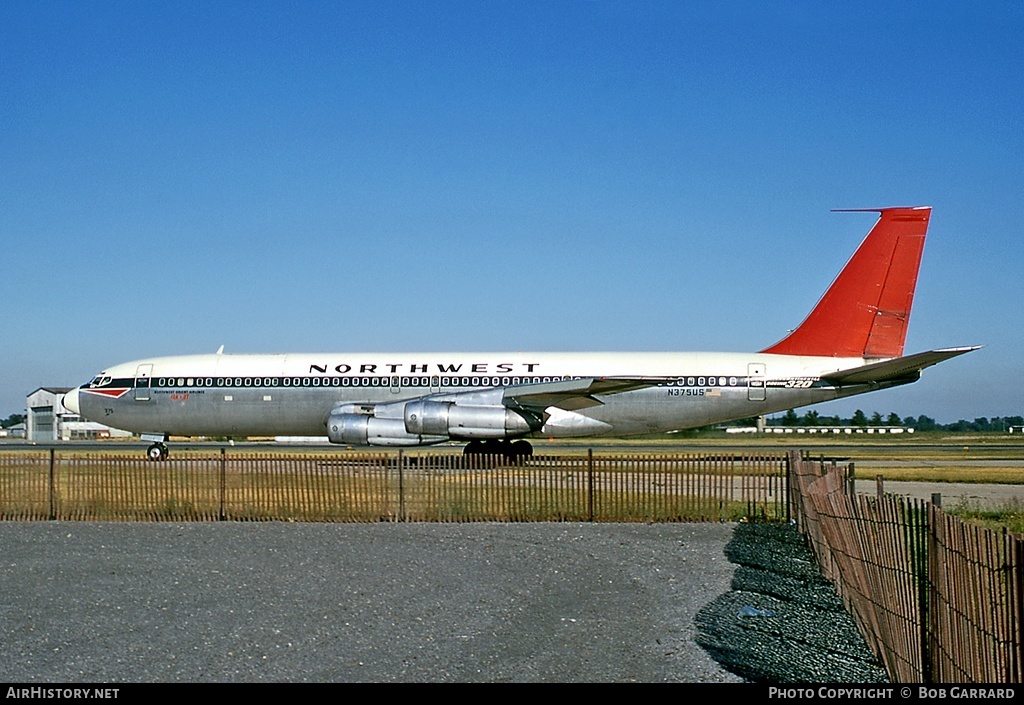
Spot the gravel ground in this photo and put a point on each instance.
(782, 622)
(232, 602)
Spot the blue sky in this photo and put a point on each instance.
(557, 175)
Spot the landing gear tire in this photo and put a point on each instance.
(157, 451)
(473, 448)
(520, 449)
(510, 450)
(493, 446)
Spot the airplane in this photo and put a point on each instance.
(851, 343)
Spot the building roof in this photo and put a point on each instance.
(52, 390)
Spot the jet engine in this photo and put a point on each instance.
(357, 425)
(432, 418)
(423, 422)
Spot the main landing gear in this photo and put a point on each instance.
(513, 450)
(157, 451)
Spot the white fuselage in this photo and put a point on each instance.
(293, 394)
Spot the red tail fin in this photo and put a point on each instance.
(866, 310)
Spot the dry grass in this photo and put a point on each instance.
(1009, 515)
(344, 486)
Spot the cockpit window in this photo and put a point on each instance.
(100, 380)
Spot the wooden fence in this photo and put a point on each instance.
(345, 486)
(937, 599)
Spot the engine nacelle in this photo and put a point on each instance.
(361, 429)
(437, 418)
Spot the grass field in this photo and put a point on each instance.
(1008, 516)
(921, 457)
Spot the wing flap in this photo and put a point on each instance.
(575, 394)
(894, 369)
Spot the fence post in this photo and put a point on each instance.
(927, 592)
(52, 490)
(795, 466)
(590, 484)
(1017, 598)
(401, 486)
(222, 490)
(879, 487)
(790, 497)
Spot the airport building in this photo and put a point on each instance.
(15, 431)
(48, 420)
(880, 430)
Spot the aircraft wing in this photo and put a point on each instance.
(575, 394)
(897, 368)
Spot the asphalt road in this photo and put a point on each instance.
(232, 602)
(953, 494)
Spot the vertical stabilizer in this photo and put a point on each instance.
(866, 310)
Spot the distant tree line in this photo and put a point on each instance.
(12, 420)
(918, 423)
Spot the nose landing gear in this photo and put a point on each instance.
(157, 451)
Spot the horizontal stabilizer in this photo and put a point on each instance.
(894, 369)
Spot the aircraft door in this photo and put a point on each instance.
(755, 381)
(143, 380)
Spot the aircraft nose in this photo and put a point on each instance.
(70, 401)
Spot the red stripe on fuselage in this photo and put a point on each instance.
(113, 392)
